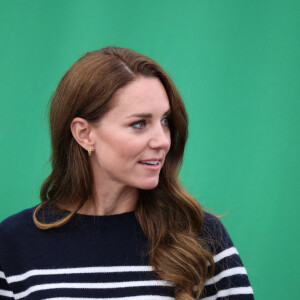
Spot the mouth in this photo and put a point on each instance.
(151, 164)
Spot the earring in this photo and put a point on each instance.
(90, 152)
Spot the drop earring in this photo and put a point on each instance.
(90, 152)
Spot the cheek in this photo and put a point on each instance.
(131, 148)
(169, 140)
(123, 147)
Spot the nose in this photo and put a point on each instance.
(160, 138)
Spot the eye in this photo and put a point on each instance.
(139, 124)
(166, 121)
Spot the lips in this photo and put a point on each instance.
(150, 161)
(152, 164)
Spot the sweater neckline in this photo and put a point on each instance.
(105, 221)
(106, 218)
(53, 214)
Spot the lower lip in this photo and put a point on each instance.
(149, 167)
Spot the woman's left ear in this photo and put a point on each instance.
(81, 131)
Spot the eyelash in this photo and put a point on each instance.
(144, 123)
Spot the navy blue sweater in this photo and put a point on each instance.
(102, 257)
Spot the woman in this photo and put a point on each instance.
(114, 221)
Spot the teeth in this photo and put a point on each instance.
(150, 162)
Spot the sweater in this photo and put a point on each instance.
(103, 257)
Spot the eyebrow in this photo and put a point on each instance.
(147, 115)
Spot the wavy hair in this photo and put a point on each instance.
(168, 215)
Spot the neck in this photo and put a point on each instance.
(111, 200)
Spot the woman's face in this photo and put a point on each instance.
(133, 138)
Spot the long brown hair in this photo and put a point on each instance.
(169, 216)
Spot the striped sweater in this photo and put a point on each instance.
(102, 257)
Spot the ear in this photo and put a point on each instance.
(81, 131)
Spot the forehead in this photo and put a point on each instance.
(144, 94)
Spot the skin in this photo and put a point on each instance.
(119, 141)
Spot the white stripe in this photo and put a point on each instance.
(6, 293)
(146, 297)
(232, 291)
(226, 273)
(225, 253)
(84, 270)
(102, 285)
(2, 275)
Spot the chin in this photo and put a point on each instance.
(148, 185)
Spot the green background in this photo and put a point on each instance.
(236, 64)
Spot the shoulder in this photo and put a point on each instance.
(213, 226)
(14, 223)
(18, 234)
(214, 233)
(229, 274)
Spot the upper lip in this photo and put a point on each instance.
(152, 159)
